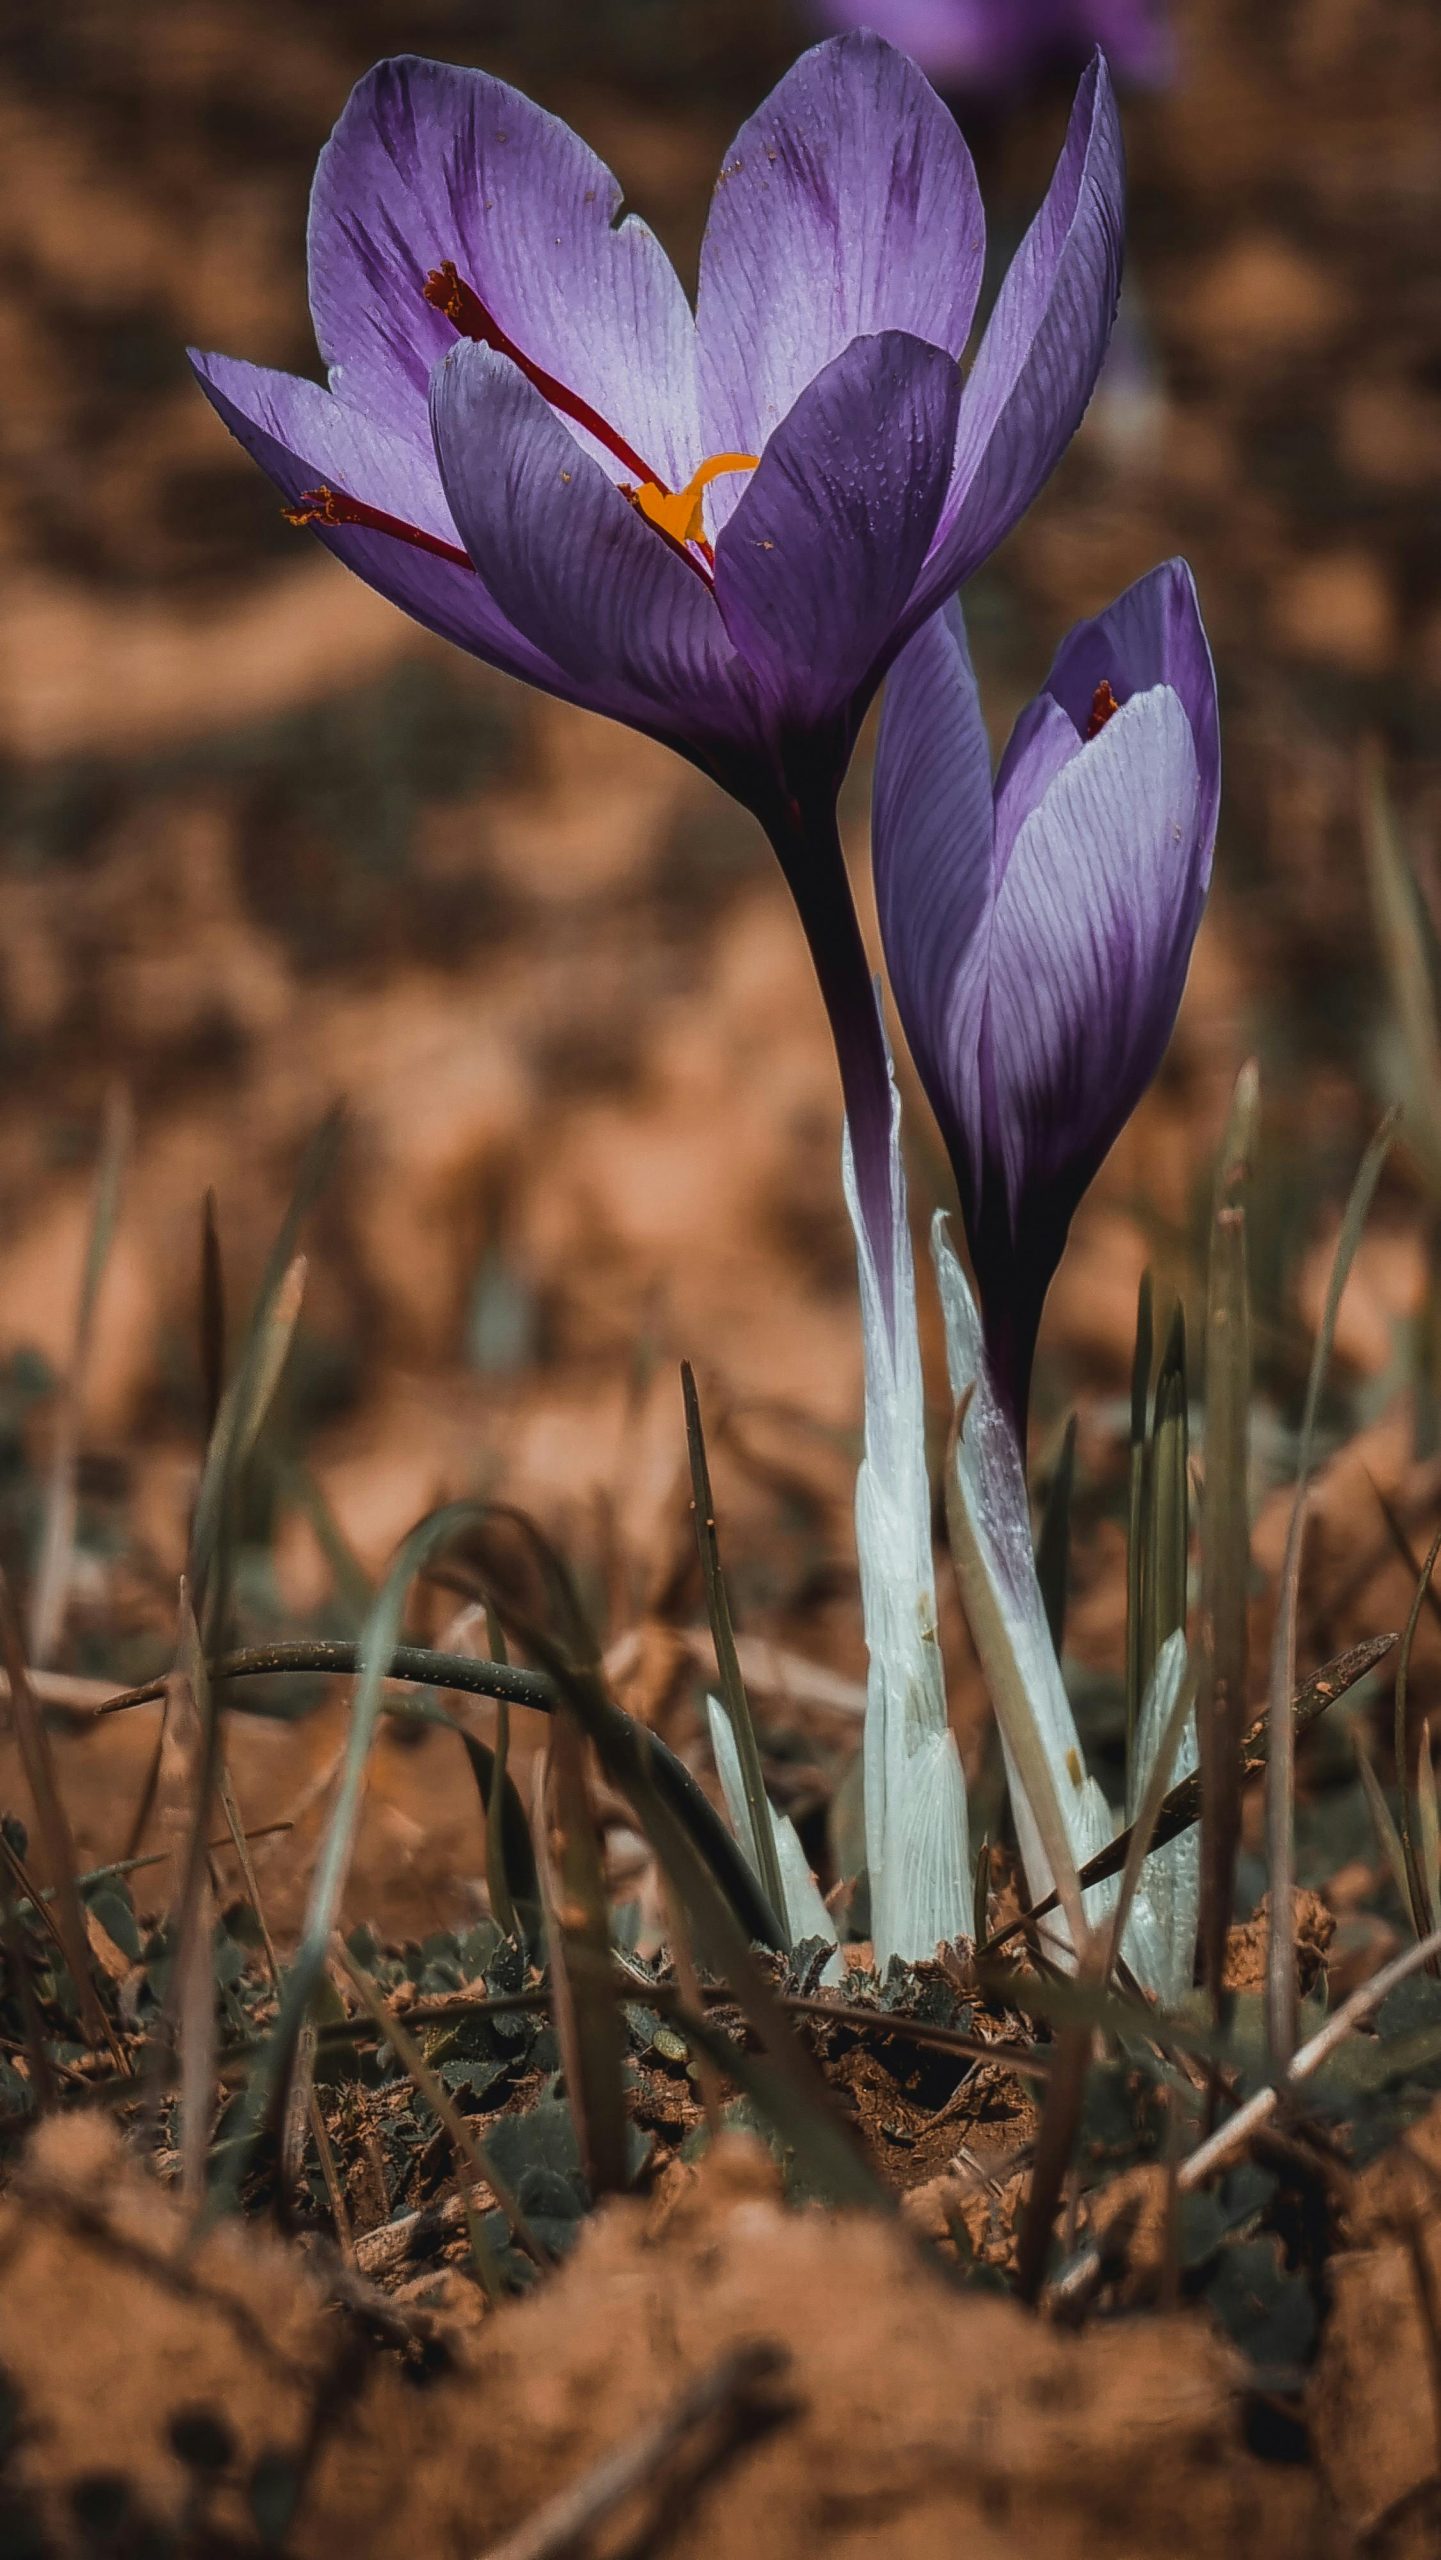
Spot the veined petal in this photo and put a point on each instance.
(932, 846)
(1043, 739)
(429, 163)
(996, 1565)
(304, 438)
(1094, 923)
(1153, 634)
(928, 1895)
(1160, 1942)
(914, 1787)
(823, 549)
(576, 566)
(805, 1915)
(845, 207)
(1037, 362)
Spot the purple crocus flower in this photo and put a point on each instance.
(1038, 930)
(719, 527)
(990, 49)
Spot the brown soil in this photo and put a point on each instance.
(910, 2418)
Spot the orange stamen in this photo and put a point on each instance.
(682, 516)
(1104, 707)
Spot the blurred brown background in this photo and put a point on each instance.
(262, 843)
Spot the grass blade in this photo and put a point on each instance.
(190, 1716)
(273, 2063)
(1429, 1827)
(1403, 928)
(1184, 1805)
(993, 1638)
(1053, 1546)
(588, 2021)
(688, 1800)
(1168, 1538)
(1388, 1837)
(17, 1956)
(824, 2144)
(1055, 2141)
(1138, 1508)
(212, 1316)
(1226, 1534)
(57, 1841)
(1406, 1743)
(1282, 1987)
(732, 1687)
(57, 1538)
(1142, 1838)
(243, 1405)
(468, 2150)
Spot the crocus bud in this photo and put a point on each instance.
(1038, 927)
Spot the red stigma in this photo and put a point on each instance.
(1104, 706)
(332, 506)
(446, 289)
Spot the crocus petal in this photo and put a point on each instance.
(805, 1915)
(1153, 634)
(1037, 363)
(578, 569)
(932, 851)
(1160, 1940)
(302, 437)
(823, 549)
(1043, 739)
(918, 1860)
(429, 164)
(996, 1567)
(1092, 936)
(929, 1900)
(846, 206)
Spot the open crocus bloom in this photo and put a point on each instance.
(1038, 930)
(717, 527)
(990, 48)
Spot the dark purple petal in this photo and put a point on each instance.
(303, 438)
(574, 565)
(847, 206)
(822, 552)
(933, 852)
(429, 164)
(1037, 363)
(1151, 635)
(1094, 922)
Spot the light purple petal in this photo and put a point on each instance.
(574, 565)
(845, 207)
(1093, 929)
(429, 163)
(932, 849)
(303, 437)
(1043, 740)
(822, 552)
(1037, 363)
(1151, 635)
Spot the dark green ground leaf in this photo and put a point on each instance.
(1269, 2312)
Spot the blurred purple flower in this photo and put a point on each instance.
(1038, 930)
(719, 528)
(987, 49)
